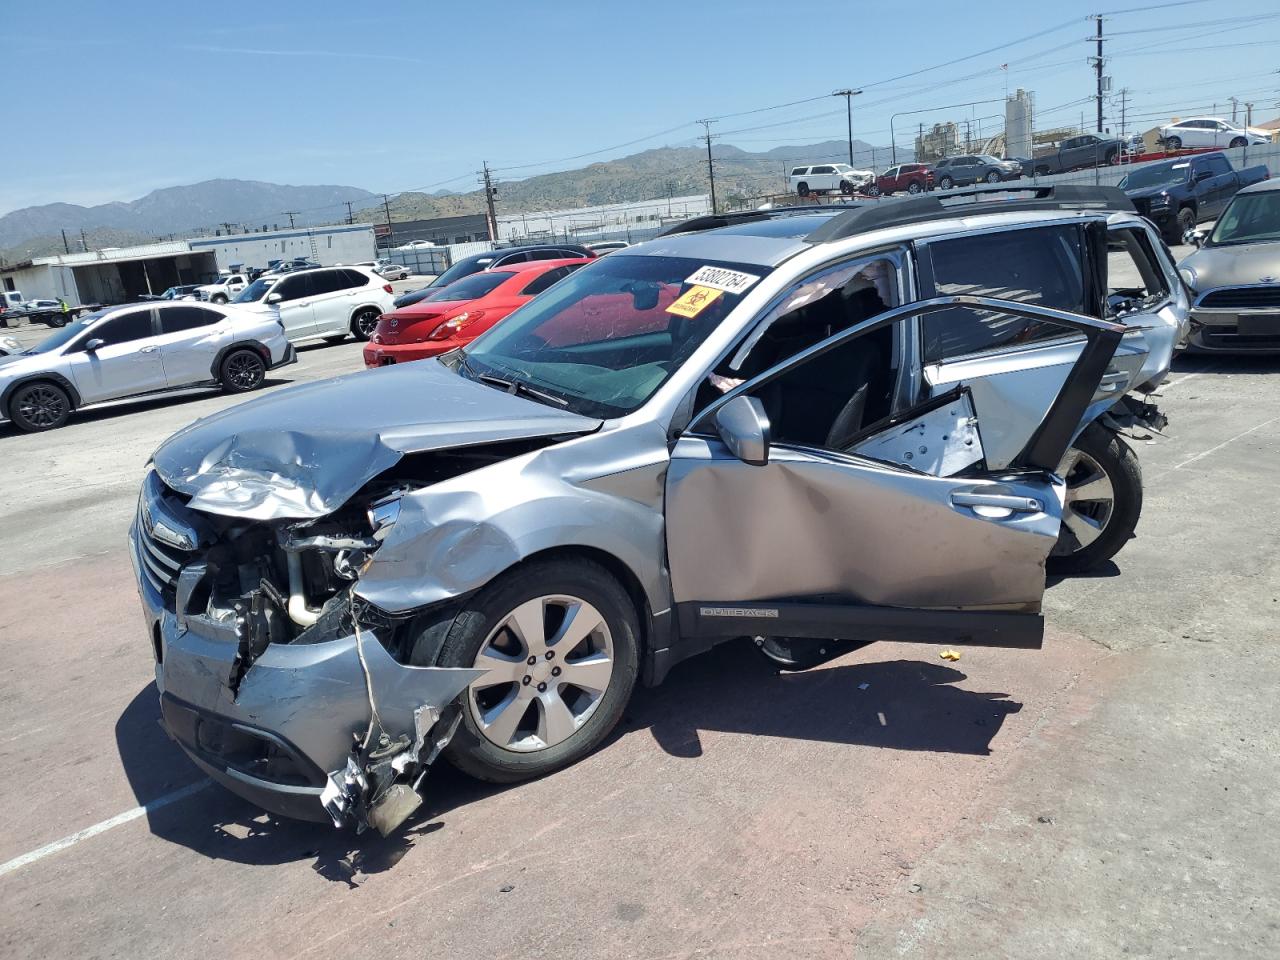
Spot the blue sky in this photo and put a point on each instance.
(118, 99)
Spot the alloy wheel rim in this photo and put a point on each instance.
(41, 406)
(367, 322)
(1089, 502)
(549, 663)
(244, 371)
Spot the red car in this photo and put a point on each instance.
(908, 177)
(457, 314)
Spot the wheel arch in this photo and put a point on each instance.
(43, 376)
(215, 369)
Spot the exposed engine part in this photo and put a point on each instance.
(299, 612)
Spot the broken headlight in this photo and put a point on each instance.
(383, 515)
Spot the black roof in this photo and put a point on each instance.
(848, 220)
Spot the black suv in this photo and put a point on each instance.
(496, 258)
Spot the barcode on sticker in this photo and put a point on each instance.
(730, 281)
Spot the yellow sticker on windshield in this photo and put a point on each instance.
(693, 301)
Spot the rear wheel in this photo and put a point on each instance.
(364, 322)
(915, 186)
(1238, 142)
(993, 177)
(560, 642)
(39, 406)
(1173, 143)
(243, 370)
(946, 183)
(1103, 500)
(802, 189)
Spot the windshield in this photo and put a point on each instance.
(255, 291)
(1156, 177)
(463, 268)
(1251, 218)
(65, 334)
(472, 287)
(604, 339)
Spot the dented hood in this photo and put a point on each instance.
(303, 451)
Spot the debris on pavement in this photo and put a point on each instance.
(952, 655)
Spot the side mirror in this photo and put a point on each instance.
(93, 345)
(274, 298)
(1194, 238)
(744, 427)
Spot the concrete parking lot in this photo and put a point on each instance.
(1110, 795)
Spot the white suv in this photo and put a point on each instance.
(828, 176)
(327, 302)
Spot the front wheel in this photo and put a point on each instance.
(35, 407)
(993, 177)
(846, 188)
(1103, 500)
(559, 640)
(218, 298)
(946, 183)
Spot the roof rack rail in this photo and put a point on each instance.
(976, 200)
(713, 220)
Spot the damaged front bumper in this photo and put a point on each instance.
(332, 729)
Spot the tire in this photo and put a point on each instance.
(242, 370)
(1042, 171)
(915, 187)
(218, 298)
(847, 188)
(1112, 158)
(1238, 142)
(519, 740)
(946, 183)
(340, 338)
(364, 321)
(39, 406)
(1186, 220)
(1099, 462)
(993, 177)
(802, 189)
(1173, 143)
(802, 653)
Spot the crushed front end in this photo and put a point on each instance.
(274, 677)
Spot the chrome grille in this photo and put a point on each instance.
(159, 531)
(161, 563)
(1235, 298)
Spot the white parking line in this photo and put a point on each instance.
(39, 854)
(1244, 433)
(1190, 376)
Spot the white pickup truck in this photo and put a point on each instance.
(826, 177)
(223, 289)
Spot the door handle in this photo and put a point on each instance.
(151, 349)
(1003, 501)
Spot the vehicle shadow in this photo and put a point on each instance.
(1186, 363)
(898, 704)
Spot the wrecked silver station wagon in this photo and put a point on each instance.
(815, 427)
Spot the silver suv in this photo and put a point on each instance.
(814, 427)
(135, 349)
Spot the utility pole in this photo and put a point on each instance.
(1124, 108)
(848, 110)
(490, 191)
(711, 167)
(83, 242)
(1234, 104)
(65, 246)
(287, 213)
(1248, 115)
(386, 205)
(1097, 66)
(919, 144)
(350, 216)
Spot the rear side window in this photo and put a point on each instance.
(328, 281)
(1042, 266)
(541, 283)
(799, 171)
(177, 319)
(824, 169)
(354, 278)
(1217, 164)
(506, 261)
(123, 328)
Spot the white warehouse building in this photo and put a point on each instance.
(121, 274)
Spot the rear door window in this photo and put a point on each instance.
(178, 319)
(1042, 266)
(354, 278)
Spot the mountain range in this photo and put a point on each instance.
(205, 206)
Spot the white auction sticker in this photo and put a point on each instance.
(730, 281)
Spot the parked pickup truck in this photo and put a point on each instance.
(223, 289)
(1175, 195)
(1075, 153)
